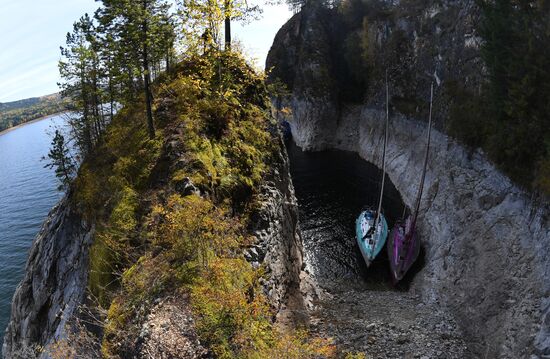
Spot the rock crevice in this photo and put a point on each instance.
(279, 244)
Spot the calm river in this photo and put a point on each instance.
(27, 193)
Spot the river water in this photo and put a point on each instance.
(27, 193)
(332, 187)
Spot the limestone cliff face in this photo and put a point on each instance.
(54, 283)
(487, 242)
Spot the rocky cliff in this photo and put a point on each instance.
(56, 275)
(54, 283)
(279, 245)
(486, 240)
(274, 225)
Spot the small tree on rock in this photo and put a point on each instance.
(61, 161)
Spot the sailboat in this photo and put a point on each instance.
(371, 226)
(403, 242)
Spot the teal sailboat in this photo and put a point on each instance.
(371, 226)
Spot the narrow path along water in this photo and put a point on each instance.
(359, 308)
(27, 193)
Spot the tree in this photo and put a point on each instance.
(61, 160)
(207, 16)
(82, 75)
(515, 51)
(144, 32)
(228, 6)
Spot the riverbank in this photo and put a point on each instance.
(3, 132)
(386, 323)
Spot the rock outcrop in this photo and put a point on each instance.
(54, 283)
(279, 245)
(486, 240)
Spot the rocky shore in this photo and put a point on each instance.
(56, 275)
(387, 324)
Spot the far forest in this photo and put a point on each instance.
(18, 112)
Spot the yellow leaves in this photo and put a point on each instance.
(286, 111)
(194, 229)
(248, 143)
(205, 17)
(102, 257)
(210, 156)
(179, 176)
(117, 315)
(123, 167)
(234, 318)
(146, 278)
(233, 315)
(88, 190)
(185, 90)
(297, 345)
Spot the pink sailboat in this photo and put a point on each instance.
(403, 242)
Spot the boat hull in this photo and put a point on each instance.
(403, 249)
(371, 244)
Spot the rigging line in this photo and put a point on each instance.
(378, 213)
(421, 188)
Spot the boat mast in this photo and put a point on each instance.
(421, 188)
(384, 153)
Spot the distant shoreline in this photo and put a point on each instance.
(29, 122)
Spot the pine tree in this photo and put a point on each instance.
(81, 73)
(516, 54)
(144, 33)
(61, 161)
